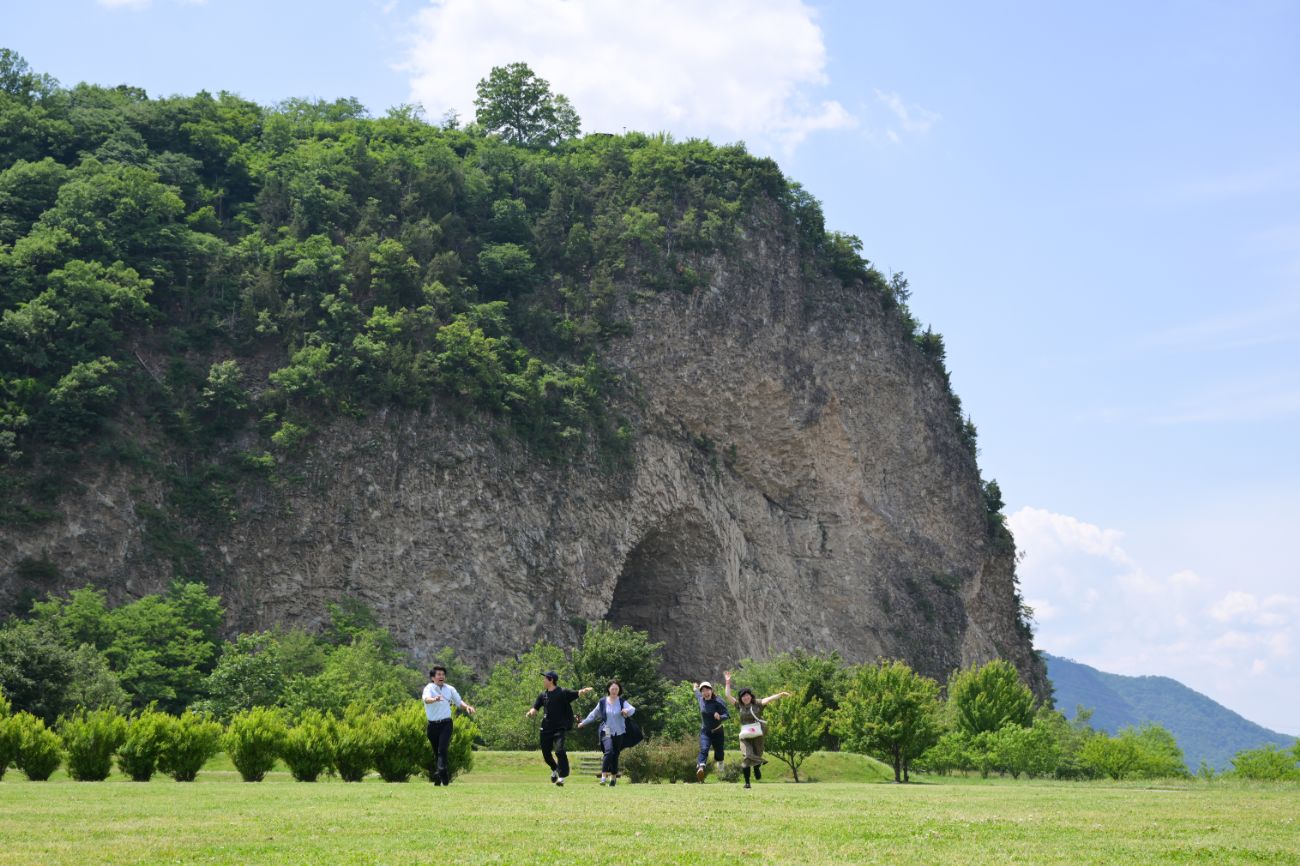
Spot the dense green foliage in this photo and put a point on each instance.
(187, 742)
(254, 740)
(988, 697)
(75, 651)
(890, 712)
(795, 728)
(137, 757)
(39, 750)
(90, 740)
(308, 747)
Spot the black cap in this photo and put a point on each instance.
(552, 676)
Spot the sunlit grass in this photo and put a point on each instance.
(507, 812)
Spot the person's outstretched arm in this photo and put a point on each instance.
(591, 716)
(767, 700)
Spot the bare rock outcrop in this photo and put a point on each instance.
(797, 480)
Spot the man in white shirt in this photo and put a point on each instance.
(439, 698)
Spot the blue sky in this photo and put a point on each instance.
(1097, 204)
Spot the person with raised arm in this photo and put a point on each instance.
(752, 727)
(439, 698)
(617, 730)
(713, 713)
(557, 720)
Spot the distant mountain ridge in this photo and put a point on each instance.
(1205, 730)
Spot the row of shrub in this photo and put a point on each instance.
(314, 744)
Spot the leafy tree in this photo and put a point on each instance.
(1115, 757)
(158, 653)
(94, 686)
(681, 713)
(824, 677)
(629, 656)
(515, 104)
(889, 711)
(81, 618)
(250, 673)
(990, 696)
(35, 668)
(509, 692)
(363, 671)
(794, 729)
(1161, 756)
(1270, 763)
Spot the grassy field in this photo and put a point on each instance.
(507, 812)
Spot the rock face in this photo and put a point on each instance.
(797, 481)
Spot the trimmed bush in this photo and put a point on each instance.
(8, 736)
(40, 750)
(308, 748)
(354, 743)
(90, 739)
(460, 753)
(400, 744)
(188, 741)
(253, 741)
(137, 757)
(660, 759)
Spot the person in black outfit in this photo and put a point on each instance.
(713, 713)
(557, 705)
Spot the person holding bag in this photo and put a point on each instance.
(752, 728)
(617, 730)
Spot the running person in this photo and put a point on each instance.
(713, 713)
(751, 747)
(439, 698)
(612, 712)
(557, 721)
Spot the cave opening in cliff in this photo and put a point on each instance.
(673, 586)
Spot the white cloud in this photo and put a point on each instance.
(914, 119)
(726, 70)
(1273, 610)
(1208, 627)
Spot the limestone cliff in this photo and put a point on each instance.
(796, 481)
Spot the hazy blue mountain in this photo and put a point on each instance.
(1206, 730)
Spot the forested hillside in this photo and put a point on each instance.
(1206, 730)
(192, 284)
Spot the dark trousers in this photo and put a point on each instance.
(440, 739)
(613, 746)
(553, 741)
(710, 739)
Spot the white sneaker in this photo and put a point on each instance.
(602, 780)
(560, 781)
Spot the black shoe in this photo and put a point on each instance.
(437, 781)
(613, 782)
(446, 780)
(758, 773)
(747, 785)
(554, 777)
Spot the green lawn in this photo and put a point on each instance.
(507, 812)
